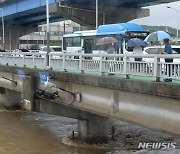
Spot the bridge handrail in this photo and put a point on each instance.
(118, 64)
(118, 55)
(22, 53)
(151, 65)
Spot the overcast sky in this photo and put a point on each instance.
(161, 15)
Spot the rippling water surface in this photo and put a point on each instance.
(37, 133)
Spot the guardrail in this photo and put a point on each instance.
(24, 59)
(127, 64)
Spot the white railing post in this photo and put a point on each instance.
(6, 55)
(49, 60)
(156, 73)
(101, 66)
(24, 60)
(64, 62)
(45, 61)
(33, 61)
(171, 70)
(14, 59)
(80, 64)
(126, 76)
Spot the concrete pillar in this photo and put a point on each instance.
(12, 34)
(11, 42)
(10, 99)
(28, 93)
(94, 129)
(114, 102)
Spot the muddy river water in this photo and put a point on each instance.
(37, 133)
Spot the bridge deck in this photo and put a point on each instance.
(124, 3)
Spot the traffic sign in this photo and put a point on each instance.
(44, 77)
(21, 73)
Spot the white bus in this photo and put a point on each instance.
(79, 42)
(85, 41)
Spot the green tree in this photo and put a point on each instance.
(55, 43)
(34, 47)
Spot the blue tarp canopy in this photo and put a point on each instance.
(119, 28)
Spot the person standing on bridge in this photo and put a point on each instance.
(111, 50)
(167, 50)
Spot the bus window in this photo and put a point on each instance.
(76, 41)
(88, 45)
(71, 42)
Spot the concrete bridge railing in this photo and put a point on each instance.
(128, 64)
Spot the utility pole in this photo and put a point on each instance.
(97, 14)
(2, 16)
(47, 31)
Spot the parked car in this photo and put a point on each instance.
(2, 50)
(18, 52)
(51, 48)
(176, 48)
(156, 50)
(57, 49)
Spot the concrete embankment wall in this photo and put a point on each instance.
(146, 87)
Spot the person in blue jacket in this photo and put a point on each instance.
(167, 50)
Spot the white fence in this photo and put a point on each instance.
(23, 59)
(148, 65)
(128, 64)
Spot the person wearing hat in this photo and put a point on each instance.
(167, 50)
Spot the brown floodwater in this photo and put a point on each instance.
(34, 133)
(38, 133)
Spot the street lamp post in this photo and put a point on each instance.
(177, 20)
(47, 31)
(97, 14)
(3, 41)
